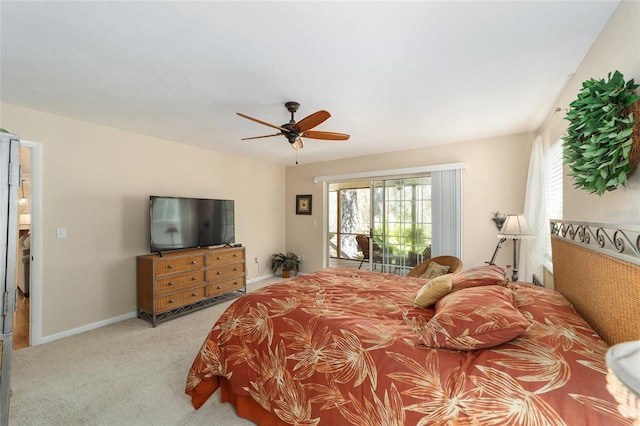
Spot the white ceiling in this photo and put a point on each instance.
(394, 75)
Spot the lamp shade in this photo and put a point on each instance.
(515, 227)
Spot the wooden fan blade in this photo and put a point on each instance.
(311, 121)
(262, 122)
(297, 144)
(265, 136)
(332, 136)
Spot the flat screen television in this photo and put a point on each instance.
(177, 223)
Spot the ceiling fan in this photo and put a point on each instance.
(294, 132)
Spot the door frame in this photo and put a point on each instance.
(35, 277)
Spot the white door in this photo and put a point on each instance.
(9, 183)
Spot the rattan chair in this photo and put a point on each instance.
(363, 245)
(454, 264)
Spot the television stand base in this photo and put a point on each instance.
(158, 318)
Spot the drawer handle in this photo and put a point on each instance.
(170, 266)
(219, 273)
(170, 283)
(193, 278)
(219, 258)
(219, 287)
(194, 294)
(235, 255)
(170, 300)
(235, 269)
(193, 262)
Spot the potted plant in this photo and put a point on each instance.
(287, 262)
(599, 145)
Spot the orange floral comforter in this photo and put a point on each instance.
(338, 347)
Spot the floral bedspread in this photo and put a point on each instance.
(339, 347)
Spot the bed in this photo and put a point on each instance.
(344, 346)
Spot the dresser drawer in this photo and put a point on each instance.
(179, 298)
(178, 264)
(227, 256)
(225, 286)
(177, 282)
(226, 272)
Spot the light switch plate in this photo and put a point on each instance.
(61, 232)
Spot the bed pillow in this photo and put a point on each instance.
(474, 318)
(433, 291)
(434, 270)
(481, 276)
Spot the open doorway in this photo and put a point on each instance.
(349, 217)
(21, 324)
(28, 317)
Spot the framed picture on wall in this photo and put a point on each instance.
(303, 204)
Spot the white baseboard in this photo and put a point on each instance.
(87, 327)
(260, 278)
(114, 320)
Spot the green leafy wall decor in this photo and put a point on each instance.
(600, 136)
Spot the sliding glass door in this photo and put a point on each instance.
(399, 235)
(392, 220)
(402, 224)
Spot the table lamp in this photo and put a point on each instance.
(515, 227)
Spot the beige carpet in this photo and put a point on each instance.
(127, 373)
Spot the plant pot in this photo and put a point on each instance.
(286, 274)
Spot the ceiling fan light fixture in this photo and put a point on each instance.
(292, 137)
(293, 130)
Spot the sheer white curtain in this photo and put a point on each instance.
(446, 213)
(532, 250)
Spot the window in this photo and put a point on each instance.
(553, 187)
(349, 215)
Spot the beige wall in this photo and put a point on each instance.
(617, 48)
(97, 182)
(494, 179)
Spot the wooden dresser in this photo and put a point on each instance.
(183, 281)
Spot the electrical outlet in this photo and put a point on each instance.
(255, 259)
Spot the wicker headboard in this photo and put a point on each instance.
(596, 266)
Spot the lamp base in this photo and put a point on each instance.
(514, 273)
